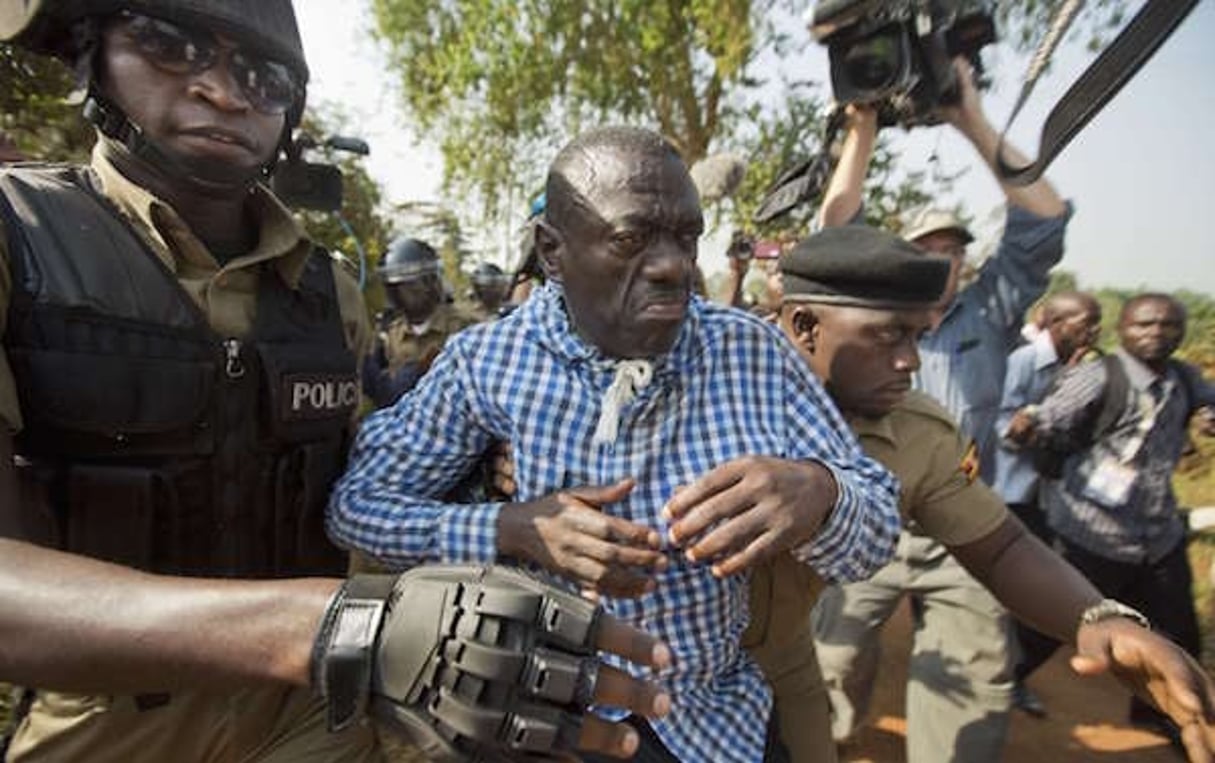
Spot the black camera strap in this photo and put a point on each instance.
(804, 181)
(1096, 86)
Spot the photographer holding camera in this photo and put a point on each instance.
(961, 685)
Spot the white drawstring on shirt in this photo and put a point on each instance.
(632, 376)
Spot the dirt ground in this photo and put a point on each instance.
(1085, 721)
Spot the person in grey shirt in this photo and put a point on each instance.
(967, 677)
(1113, 510)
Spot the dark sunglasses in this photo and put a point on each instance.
(271, 87)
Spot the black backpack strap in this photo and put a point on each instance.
(1186, 373)
(1113, 399)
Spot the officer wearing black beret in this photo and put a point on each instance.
(859, 265)
(856, 301)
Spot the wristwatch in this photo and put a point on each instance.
(1109, 608)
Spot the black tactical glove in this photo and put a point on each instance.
(473, 663)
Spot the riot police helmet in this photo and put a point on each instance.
(412, 281)
(407, 259)
(267, 63)
(491, 285)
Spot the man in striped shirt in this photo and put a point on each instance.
(662, 445)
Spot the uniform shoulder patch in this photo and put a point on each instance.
(970, 462)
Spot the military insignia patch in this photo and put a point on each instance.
(970, 462)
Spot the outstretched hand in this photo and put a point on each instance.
(749, 509)
(1157, 670)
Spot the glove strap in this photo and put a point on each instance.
(344, 649)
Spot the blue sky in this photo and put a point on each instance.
(1140, 175)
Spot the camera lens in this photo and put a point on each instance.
(875, 62)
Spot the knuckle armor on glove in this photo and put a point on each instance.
(471, 662)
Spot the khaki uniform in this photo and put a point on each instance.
(403, 345)
(941, 497)
(257, 724)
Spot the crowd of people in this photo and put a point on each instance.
(243, 520)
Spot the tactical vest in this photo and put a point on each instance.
(150, 440)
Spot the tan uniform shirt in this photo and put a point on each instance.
(226, 293)
(940, 496)
(403, 344)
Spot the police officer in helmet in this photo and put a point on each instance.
(490, 287)
(180, 355)
(416, 324)
(412, 280)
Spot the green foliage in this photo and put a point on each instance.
(775, 140)
(33, 109)
(502, 83)
(500, 80)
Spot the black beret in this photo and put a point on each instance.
(859, 265)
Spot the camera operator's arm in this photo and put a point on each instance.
(845, 193)
(1039, 197)
(735, 279)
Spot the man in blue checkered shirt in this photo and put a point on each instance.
(662, 445)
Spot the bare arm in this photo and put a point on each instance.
(1035, 583)
(1039, 197)
(73, 623)
(1045, 591)
(735, 279)
(845, 192)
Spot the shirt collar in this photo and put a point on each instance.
(546, 318)
(1139, 375)
(281, 239)
(865, 426)
(1045, 354)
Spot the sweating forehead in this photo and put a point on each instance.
(617, 180)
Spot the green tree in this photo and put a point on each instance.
(772, 141)
(501, 82)
(34, 111)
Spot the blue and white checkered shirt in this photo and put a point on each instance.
(731, 386)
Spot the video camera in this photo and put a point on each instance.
(897, 55)
(301, 184)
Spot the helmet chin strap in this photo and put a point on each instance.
(209, 178)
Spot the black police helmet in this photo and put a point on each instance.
(489, 274)
(407, 258)
(268, 26)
